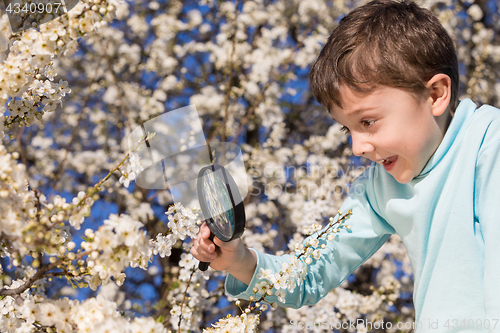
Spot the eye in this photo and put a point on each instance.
(345, 130)
(367, 123)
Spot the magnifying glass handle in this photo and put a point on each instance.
(203, 266)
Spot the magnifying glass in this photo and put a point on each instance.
(221, 204)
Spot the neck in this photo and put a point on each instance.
(444, 121)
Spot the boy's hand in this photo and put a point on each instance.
(232, 256)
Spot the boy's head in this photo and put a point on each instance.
(388, 73)
(384, 43)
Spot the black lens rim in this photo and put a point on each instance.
(234, 196)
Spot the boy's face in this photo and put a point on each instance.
(390, 127)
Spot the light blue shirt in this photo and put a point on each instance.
(448, 218)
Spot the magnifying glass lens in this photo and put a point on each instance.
(218, 203)
(221, 204)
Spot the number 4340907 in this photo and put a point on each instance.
(33, 8)
(471, 324)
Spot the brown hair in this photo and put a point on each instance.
(384, 43)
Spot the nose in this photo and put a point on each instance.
(361, 145)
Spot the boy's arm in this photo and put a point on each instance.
(487, 211)
(245, 268)
(338, 260)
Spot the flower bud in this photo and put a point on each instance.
(89, 233)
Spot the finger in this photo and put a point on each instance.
(204, 238)
(201, 255)
(201, 230)
(206, 244)
(205, 230)
(205, 247)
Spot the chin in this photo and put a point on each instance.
(403, 179)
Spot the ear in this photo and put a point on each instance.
(439, 87)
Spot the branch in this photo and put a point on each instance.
(185, 296)
(272, 80)
(38, 275)
(118, 87)
(230, 74)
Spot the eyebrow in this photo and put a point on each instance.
(355, 112)
(361, 110)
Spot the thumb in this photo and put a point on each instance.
(227, 246)
(218, 242)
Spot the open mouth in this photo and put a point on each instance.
(388, 162)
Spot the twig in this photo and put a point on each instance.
(230, 74)
(184, 298)
(273, 79)
(38, 275)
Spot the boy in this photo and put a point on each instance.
(389, 74)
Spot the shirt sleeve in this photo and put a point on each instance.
(487, 213)
(350, 248)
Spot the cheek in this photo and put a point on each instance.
(415, 142)
(403, 142)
